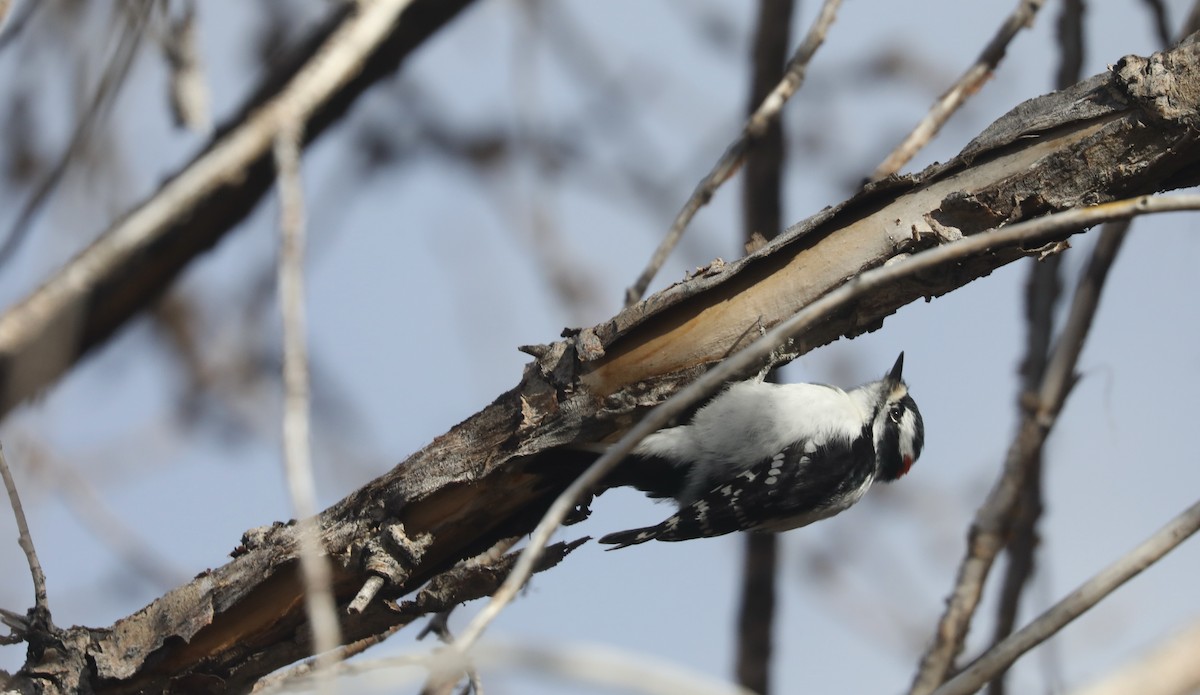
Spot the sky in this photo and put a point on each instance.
(425, 278)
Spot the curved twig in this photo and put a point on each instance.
(729, 162)
(758, 352)
(1075, 604)
(297, 454)
(114, 78)
(25, 540)
(993, 521)
(952, 99)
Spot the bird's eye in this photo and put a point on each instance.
(894, 415)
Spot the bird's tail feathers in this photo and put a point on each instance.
(624, 539)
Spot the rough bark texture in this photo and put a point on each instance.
(1126, 132)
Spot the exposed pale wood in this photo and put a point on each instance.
(492, 476)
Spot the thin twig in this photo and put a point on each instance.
(114, 78)
(602, 666)
(25, 540)
(64, 318)
(130, 547)
(1075, 604)
(960, 91)
(729, 162)
(283, 680)
(993, 521)
(314, 565)
(1042, 293)
(748, 360)
(444, 682)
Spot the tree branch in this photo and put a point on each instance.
(41, 605)
(971, 81)
(762, 212)
(1075, 604)
(773, 343)
(129, 265)
(994, 520)
(496, 474)
(729, 162)
(1042, 293)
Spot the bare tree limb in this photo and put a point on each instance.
(760, 352)
(41, 605)
(600, 666)
(89, 121)
(1069, 31)
(297, 453)
(1075, 604)
(729, 162)
(1042, 293)
(970, 83)
(130, 264)
(496, 474)
(994, 519)
(762, 212)
(469, 580)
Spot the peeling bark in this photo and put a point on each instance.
(1126, 132)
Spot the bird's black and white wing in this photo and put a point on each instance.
(797, 486)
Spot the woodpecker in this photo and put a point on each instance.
(774, 457)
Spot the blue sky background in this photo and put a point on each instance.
(426, 276)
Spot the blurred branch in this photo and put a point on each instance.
(967, 85)
(1169, 668)
(762, 213)
(495, 474)
(467, 581)
(1075, 604)
(13, 28)
(297, 455)
(599, 666)
(729, 162)
(130, 265)
(1069, 31)
(1041, 298)
(994, 520)
(190, 102)
(756, 611)
(295, 675)
(761, 351)
(1162, 25)
(98, 108)
(132, 550)
(762, 181)
(1192, 23)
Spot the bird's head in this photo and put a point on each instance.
(898, 430)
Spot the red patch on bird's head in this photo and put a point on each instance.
(908, 462)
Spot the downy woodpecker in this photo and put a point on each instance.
(774, 457)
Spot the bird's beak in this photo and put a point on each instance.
(894, 375)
